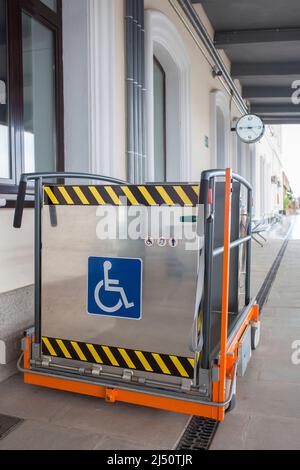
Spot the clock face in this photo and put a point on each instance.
(250, 128)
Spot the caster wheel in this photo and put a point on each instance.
(255, 335)
(232, 404)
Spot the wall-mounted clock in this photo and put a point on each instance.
(250, 128)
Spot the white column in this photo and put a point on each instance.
(101, 91)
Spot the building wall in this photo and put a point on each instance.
(80, 155)
(96, 128)
(16, 279)
(16, 251)
(269, 196)
(94, 86)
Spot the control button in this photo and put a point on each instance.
(149, 242)
(162, 242)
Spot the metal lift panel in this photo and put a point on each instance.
(159, 342)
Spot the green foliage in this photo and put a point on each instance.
(287, 201)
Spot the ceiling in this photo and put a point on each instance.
(262, 40)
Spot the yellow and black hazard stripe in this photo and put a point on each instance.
(118, 195)
(171, 365)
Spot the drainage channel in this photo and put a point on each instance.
(8, 424)
(200, 432)
(265, 289)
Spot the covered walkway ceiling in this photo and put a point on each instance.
(262, 40)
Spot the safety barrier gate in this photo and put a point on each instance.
(136, 297)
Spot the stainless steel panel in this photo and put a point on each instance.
(169, 284)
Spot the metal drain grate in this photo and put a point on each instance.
(8, 424)
(199, 434)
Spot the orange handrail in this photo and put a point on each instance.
(225, 285)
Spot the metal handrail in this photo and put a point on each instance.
(207, 198)
(69, 174)
(235, 244)
(38, 186)
(25, 177)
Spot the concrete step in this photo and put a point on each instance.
(10, 347)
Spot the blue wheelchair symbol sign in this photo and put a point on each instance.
(115, 287)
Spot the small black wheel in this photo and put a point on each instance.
(255, 335)
(232, 404)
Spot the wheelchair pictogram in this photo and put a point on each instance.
(115, 287)
(111, 285)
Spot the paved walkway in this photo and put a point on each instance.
(267, 415)
(268, 407)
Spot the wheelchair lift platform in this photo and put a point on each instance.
(164, 319)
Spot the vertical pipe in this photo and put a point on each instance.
(249, 249)
(143, 82)
(135, 88)
(225, 285)
(139, 90)
(209, 247)
(130, 91)
(37, 259)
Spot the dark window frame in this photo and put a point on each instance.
(52, 20)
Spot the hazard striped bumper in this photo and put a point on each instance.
(152, 362)
(170, 195)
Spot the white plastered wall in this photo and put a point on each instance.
(94, 86)
(16, 251)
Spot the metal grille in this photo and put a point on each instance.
(8, 424)
(199, 434)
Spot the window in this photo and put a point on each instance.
(31, 120)
(51, 4)
(159, 98)
(38, 96)
(5, 169)
(168, 101)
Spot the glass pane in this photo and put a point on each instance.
(5, 169)
(159, 123)
(51, 4)
(39, 96)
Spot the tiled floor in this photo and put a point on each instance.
(268, 408)
(55, 419)
(267, 415)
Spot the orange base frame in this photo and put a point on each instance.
(113, 395)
